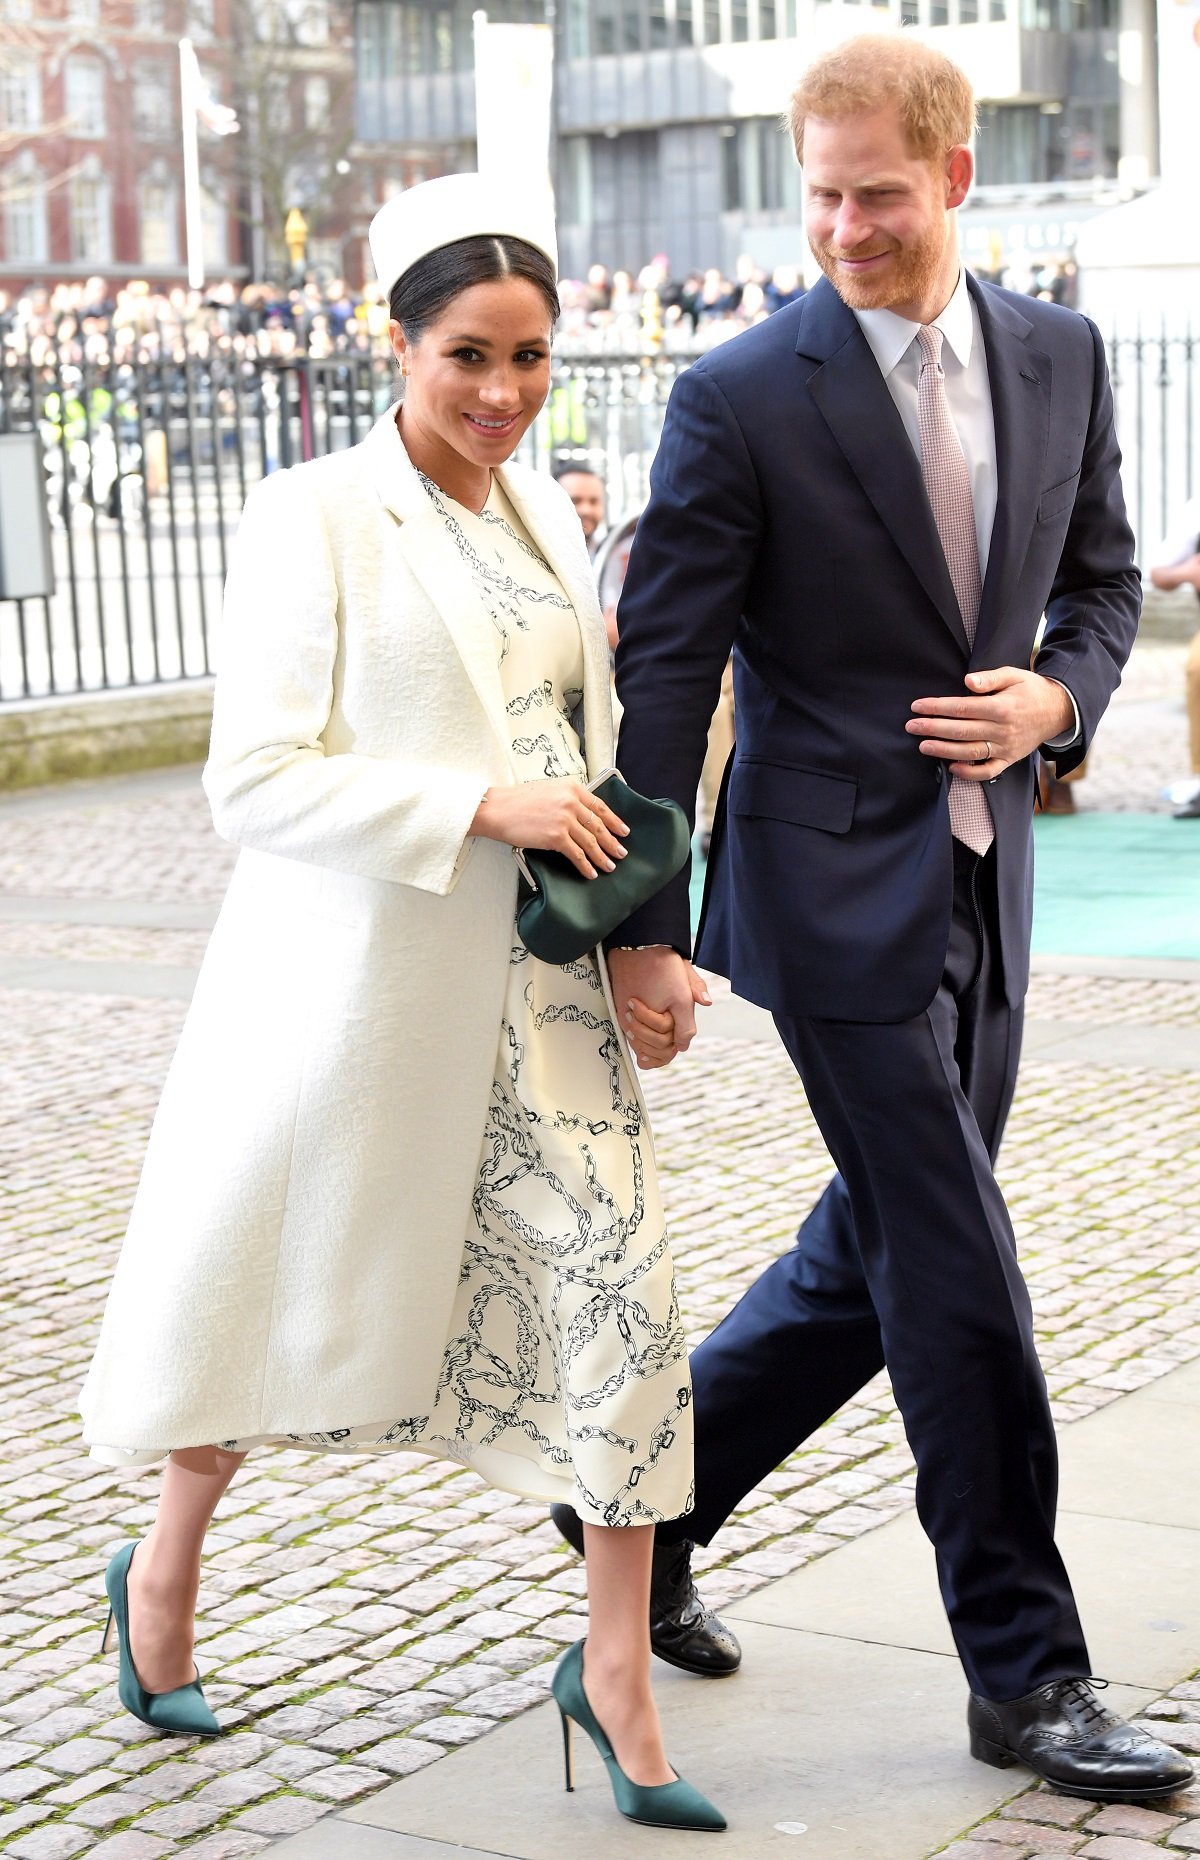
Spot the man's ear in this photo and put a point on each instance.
(960, 172)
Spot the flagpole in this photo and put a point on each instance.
(193, 218)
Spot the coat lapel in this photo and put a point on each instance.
(558, 535)
(854, 401)
(430, 553)
(1019, 378)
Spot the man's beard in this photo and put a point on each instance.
(907, 279)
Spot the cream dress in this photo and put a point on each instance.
(565, 1373)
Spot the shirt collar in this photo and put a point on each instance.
(891, 336)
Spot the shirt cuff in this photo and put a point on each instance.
(1070, 737)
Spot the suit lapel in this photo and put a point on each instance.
(558, 535)
(1019, 379)
(430, 553)
(854, 401)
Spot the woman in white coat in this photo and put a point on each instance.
(400, 1191)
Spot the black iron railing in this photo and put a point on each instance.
(147, 463)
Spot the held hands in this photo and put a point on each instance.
(1008, 714)
(554, 816)
(656, 992)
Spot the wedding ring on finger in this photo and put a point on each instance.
(987, 751)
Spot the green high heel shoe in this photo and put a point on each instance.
(657, 1805)
(183, 1711)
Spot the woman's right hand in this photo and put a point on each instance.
(560, 816)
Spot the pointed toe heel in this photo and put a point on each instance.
(659, 1805)
(185, 1711)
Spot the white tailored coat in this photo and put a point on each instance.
(293, 1251)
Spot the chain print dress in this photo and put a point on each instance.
(565, 1374)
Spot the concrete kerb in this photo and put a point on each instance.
(54, 739)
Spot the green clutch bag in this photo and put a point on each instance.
(561, 914)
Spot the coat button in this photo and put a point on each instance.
(937, 771)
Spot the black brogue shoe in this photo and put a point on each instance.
(683, 1630)
(1067, 1737)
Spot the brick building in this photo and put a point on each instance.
(91, 164)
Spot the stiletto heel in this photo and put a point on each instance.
(106, 1641)
(568, 1754)
(657, 1805)
(184, 1710)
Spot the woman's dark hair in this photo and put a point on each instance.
(420, 294)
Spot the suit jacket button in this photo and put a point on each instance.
(937, 771)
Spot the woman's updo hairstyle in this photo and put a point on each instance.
(428, 287)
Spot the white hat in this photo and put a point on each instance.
(457, 206)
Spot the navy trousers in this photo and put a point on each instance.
(909, 1258)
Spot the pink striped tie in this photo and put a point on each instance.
(948, 487)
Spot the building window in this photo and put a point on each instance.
(739, 20)
(768, 23)
(157, 214)
(151, 16)
(443, 38)
(576, 179)
(755, 159)
(312, 23)
(20, 94)
(199, 20)
(626, 198)
(411, 35)
(24, 193)
(661, 33)
(89, 200)
(153, 103)
(276, 104)
(631, 26)
(731, 168)
(604, 27)
(578, 37)
(712, 21)
(83, 95)
(968, 12)
(317, 105)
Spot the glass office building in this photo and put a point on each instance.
(667, 112)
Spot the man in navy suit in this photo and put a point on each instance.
(872, 498)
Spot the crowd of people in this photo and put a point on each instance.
(609, 311)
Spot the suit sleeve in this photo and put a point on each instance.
(1096, 598)
(689, 571)
(270, 782)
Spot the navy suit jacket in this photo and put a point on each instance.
(788, 521)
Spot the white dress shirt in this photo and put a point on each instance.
(893, 343)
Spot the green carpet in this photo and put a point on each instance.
(1107, 885)
(1117, 885)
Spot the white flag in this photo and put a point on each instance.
(198, 98)
(514, 72)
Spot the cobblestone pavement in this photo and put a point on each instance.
(360, 1617)
(1142, 743)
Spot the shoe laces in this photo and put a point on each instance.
(1079, 1695)
(676, 1571)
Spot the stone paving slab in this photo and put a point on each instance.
(847, 1721)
